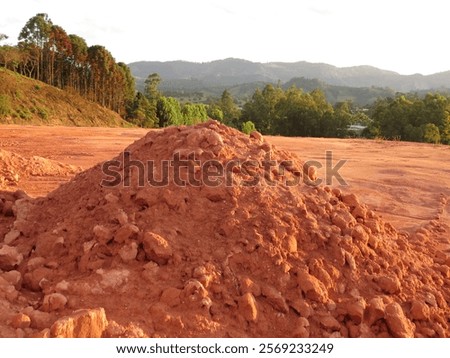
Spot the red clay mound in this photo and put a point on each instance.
(244, 248)
(13, 167)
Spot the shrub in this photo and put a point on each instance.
(431, 133)
(24, 113)
(248, 127)
(42, 112)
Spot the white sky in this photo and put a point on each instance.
(400, 35)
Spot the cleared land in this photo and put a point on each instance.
(403, 182)
(221, 261)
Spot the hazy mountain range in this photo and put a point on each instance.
(236, 71)
(185, 77)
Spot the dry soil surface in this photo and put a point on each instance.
(364, 258)
(403, 182)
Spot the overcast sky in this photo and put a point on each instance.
(400, 35)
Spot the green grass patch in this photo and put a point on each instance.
(5, 106)
(42, 112)
(24, 113)
(18, 94)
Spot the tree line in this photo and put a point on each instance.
(294, 112)
(271, 110)
(411, 118)
(152, 109)
(46, 52)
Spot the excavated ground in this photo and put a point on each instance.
(239, 243)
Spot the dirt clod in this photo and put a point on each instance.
(82, 324)
(399, 325)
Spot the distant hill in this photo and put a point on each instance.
(27, 101)
(358, 95)
(189, 76)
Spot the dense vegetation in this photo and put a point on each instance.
(273, 110)
(194, 90)
(293, 112)
(45, 52)
(411, 118)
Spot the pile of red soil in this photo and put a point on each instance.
(253, 250)
(13, 167)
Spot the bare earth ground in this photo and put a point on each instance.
(403, 182)
(408, 184)
(358, 277)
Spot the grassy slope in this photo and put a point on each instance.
(27, 101)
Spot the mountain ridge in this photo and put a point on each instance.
(233, 71)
